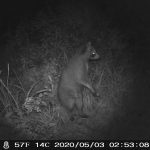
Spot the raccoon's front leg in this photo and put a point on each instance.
(87, 85)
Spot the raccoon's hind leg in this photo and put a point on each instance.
(79, 105)
(69, 106)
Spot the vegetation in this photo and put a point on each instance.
(39, 49)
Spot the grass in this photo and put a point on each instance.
(29, 92)
(39, 115)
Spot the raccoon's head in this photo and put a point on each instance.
(91, 52)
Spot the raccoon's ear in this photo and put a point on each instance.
(86, 47)
(88, 44)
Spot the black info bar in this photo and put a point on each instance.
(73, 144)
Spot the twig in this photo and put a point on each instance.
(9, 93)
(2, 101)
(99, 83)
(41, 91)
(32, 88)
(50, 79)
(8, 74)
(65, 57)
(17, 86)
(19, 81)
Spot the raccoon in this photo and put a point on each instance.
(74, 79)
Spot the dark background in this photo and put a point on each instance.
(131, 17)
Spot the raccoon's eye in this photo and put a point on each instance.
(92, 54)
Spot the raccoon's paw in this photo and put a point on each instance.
(96, 94)
(72, 118)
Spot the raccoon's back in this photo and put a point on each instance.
(76, 69)
(70, 79)
(68, 84)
